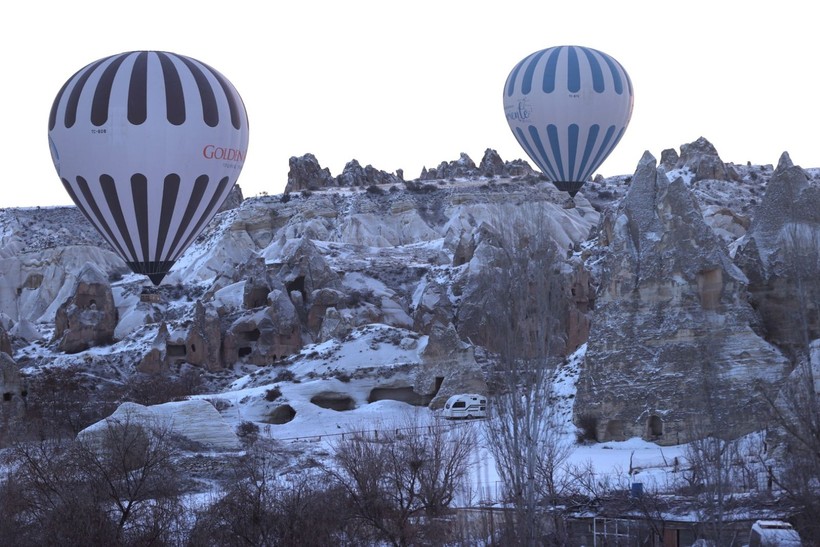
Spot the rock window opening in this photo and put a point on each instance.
(654, 426)
(176, 350)
(298, 285)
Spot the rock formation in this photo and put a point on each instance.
(354, 174)
(203, 343)
(702, 159)
(464, 166)
(266, 335)
(492, 165)
(306, 174)
(448, 368)
(671, 353)
(781, 257)
(465, 257)
(195, 420)
(88, 317)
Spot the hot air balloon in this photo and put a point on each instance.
(568, 106)
(148, 144)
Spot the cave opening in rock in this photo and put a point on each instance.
(297, 285)
(333, 401)
(175, 350)
(654, 426)
(403, 394)
(439, 381)
(282, 414)
(257, 297)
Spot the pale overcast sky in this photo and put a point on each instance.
(409, 84)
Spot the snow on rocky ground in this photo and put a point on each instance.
(348, 368)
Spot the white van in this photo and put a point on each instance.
(465, 405)
(773, 532)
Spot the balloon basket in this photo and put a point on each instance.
(150, 295)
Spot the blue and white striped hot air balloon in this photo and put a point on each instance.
(568, 106)
(148, 144)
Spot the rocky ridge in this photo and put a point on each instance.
(671, 277)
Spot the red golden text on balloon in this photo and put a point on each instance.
(213, 152)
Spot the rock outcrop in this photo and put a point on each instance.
(780, 254)
(233, 200)
(492, 165)
(702, 159)
(671, 352)
(88, 317)
(354, 175)
(195, 421)
(464, 166)
(306, 174)
(523, 258)
(203, 343)
(448, 367)
(265, 336)
(155, 361)
(454, 266)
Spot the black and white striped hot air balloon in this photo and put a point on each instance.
(148, 144)
(568, 106)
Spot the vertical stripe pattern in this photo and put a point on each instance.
(572, 121)
(148, 145)
(174, 91)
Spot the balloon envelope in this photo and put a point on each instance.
(148, 144)
(568, 106)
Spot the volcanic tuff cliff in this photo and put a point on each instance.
(672, 276)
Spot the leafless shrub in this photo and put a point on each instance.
(400, 482)
(121, 488)
(261, 507)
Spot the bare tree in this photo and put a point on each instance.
(262, 507)
(795, 466)
(400, 481)
(122, 490)
(523, 430)
(794, 411)
(62, 401)
(131, 466)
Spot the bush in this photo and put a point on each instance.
(284, 375)
(247, 431)
(273, 393)
(342, 376)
